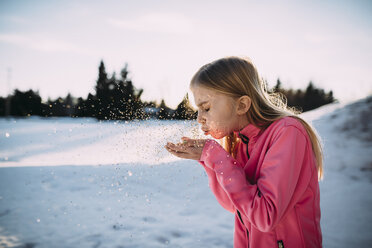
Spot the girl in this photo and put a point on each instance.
(267, 171)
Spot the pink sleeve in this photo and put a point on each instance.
(264, 203)
(217, 190)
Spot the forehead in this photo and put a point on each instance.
(204, 95)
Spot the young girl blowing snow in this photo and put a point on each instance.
(267, 172)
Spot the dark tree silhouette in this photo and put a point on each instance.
(25, 103)
(306, 100)
(184, 110)
(3, 106)
(118, 99)
(165, 113)
(60, 107)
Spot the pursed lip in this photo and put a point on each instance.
(204, 129)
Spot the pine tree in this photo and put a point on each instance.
(102, 77)
(25, 103)
(184, 110)
(165, 112)
(278, 86)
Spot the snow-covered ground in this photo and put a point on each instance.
(84, 183)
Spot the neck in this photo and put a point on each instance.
(242, 122)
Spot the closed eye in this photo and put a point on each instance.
(205, 109)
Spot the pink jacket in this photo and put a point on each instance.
(272, 187)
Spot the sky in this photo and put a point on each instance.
(55, 47)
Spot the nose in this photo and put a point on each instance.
(200, 118)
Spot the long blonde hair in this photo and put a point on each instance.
(236, 77)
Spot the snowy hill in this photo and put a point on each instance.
(346, 189)
(84, 183)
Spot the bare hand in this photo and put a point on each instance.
(189, 148)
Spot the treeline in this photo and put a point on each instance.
(116, 98)
(311, 98)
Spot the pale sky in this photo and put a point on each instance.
(55, 46)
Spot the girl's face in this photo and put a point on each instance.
(216, 112)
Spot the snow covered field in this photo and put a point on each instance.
(84, 183)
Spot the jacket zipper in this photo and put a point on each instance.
(240, 217)
(280, 244)
(245, 140)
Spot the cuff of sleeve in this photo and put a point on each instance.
(206, 150)
(209, 151)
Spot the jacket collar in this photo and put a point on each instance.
(250, 131)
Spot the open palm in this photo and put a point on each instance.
(188, 149)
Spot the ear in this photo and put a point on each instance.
(243, 105)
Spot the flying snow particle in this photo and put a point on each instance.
(130, 173)
(37, 220)
(7, 135)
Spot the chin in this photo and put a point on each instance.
(217, 135)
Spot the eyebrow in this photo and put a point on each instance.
(201, 103)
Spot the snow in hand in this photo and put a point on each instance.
(84, 183)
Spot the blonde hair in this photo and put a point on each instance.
(236, 77)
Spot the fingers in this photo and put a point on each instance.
(184, 155)
(189, 142)
(184, 151)
(193, 142)
(176, 147)
(171, 148)
(186, 145)
(174, 152)
(199, 143)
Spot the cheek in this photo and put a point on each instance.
(222, 123)
(223, 117)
